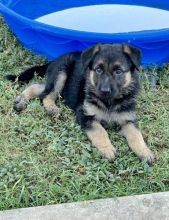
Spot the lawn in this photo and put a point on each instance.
(47, 160)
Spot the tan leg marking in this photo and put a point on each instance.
(60, 83)
(49, 100)
(99, 138)
(50, 106)
(136, 142)
(30, 92)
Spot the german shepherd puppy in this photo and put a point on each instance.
(101, 85)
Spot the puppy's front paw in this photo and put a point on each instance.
(109, 152)
(20, 103)
(148, 156)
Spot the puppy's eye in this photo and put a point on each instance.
(98, 70)
(118, 71)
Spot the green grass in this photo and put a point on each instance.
(47, 160)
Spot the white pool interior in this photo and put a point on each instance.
(109, 18)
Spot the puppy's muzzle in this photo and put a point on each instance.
(105, 87)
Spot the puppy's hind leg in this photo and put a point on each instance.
(49, 99)
(30, 92)
(50, 106)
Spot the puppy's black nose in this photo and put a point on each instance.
(105, 90)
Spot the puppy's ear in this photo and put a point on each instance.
(88, 55)
(134, 54)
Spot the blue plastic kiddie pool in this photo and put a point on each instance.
(55, 27)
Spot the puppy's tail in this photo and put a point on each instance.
(28, 74)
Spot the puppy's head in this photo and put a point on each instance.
(111, 67)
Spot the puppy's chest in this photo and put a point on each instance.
(110, 116)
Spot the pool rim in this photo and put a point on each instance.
(143, 36)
